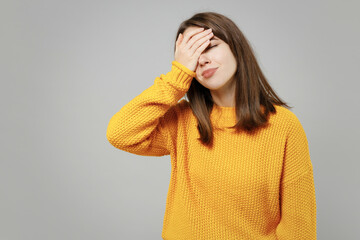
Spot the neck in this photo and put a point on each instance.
(225, 96)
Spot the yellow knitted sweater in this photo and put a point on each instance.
(246, 187)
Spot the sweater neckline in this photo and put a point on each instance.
(223, 116)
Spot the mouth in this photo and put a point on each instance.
(209, 72)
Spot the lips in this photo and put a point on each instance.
(209, 72)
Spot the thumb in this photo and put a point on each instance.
(180, 38)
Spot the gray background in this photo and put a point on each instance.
(68, 66)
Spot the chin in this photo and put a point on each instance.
(213, 86)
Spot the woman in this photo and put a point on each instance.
(241, 166)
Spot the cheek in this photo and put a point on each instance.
(220, 57)
(229, 61)
(197, 75)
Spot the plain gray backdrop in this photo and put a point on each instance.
(68, 66)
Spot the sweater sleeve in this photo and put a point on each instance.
(142, 125)
(297, 191)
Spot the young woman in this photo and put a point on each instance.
(241, 166)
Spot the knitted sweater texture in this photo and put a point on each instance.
(246, 186)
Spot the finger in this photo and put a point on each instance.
(200, 42)
(190, 34)
(178, 40)
(202, 47)
(198, 37)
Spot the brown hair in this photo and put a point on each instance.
(251, 87)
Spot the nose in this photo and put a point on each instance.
(204, 59)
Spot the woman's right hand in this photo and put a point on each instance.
(191, 45)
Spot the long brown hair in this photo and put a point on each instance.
(251, 86)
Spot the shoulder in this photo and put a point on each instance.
(183, 103)
(285, 114)
(285, 118)
(290, 120)
(180, 109)
(177, 115)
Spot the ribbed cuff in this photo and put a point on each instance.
(185, 69)
(182, 75)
